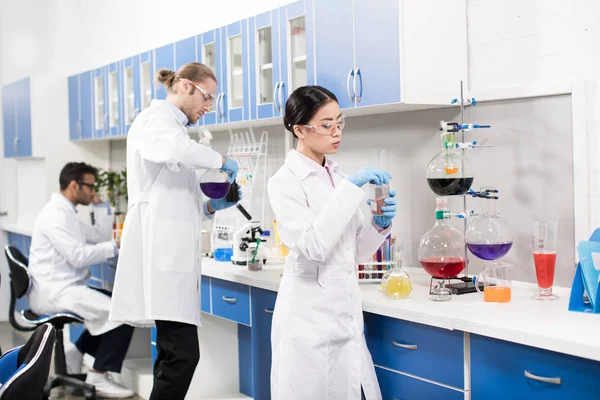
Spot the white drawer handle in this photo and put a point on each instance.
(554, 381)
(268, 311)
(405, 346)
(230, 300)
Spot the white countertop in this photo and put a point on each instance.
(25, 229)
(546, 325)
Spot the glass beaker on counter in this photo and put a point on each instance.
(496, 281)
(544, 236)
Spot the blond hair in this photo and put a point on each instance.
(194, 72)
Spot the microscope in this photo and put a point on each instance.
(245, 239)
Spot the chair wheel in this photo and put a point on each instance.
(90, 396)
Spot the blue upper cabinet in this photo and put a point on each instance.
(130, 104)
(208, 47)
(235, 104)
(377, 68)
(100, 90)
(334, 48)
(80, 106)
(185, 52)
(143, 69)
(115, 96)
(164, 58)
(16, 107)
(9, 112)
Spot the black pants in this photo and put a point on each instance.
(109, 349)
(178, 355)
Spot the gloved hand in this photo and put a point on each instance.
(221, 204)
(370, 174)
(389, 211)
(232, 166)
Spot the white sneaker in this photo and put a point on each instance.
(106, 387)
(74, 360)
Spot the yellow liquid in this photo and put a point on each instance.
(398, 287)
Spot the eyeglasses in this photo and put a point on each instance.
(90, 185)
(209, 98)
(328, 128)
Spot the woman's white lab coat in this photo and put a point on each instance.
(158, 271)
(319, 350)
(62, 250)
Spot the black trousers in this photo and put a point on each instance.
(108, 349)
(178, 354)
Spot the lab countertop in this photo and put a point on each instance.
(546, 325)
(21, 229)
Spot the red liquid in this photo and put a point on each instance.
(443, 267)
(544, 268)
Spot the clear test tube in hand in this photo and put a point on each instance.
(379, 158)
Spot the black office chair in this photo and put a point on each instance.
(19, 286)
(24, 370)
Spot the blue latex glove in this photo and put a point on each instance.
(232, 166)
(389, 211)
(221, 204)
(370, 175)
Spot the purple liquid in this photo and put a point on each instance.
(489, 251)
(215, 190)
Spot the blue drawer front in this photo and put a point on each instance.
(439, 355)
(231, 301)
(498, 372)
(153, 335)
(205, 294)
(397, 386)
(263, 302)
(154, 353)
(75, 330)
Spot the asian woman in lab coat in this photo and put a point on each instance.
(319, 350)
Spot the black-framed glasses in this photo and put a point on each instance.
(90, 185)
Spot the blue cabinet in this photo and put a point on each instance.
(501, 370)
(230, 300)
(115, 98)
(208, 47)
(348, 63)
(100, 102)
(263, 303)
(235, 103)
(397, 386)
(80, 106)
(164, 58)
(185, 52)
(421, 350)
(146, 88)
(130, 104)
(16, 107)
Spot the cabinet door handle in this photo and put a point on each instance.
(350, 75)
(554, 381)
(405, 346)
(222, 107)
(275, 97)
(230, 300)
(268, 311)
(281, 88)
(359, 76)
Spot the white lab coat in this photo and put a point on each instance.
(60, 255)
(319, 350)
(158, 271)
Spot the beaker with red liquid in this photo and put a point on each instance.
(544, 236)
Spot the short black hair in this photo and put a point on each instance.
(304, 103)
(74, 171)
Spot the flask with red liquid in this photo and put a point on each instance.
(442, 251)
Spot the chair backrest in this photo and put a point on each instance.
(32, 366)
(19, 283)
(17, 264)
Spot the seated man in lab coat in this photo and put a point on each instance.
(62, 249)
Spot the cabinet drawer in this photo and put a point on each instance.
(421, 350)
(263, 303)
(153, 335)
(231, 300)
(205, 294)
(396, 387)
(498, 371)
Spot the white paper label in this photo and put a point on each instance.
(596, 260)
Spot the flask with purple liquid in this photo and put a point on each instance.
(488, 235)
(215, 183)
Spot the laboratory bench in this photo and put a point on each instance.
(463, 348)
